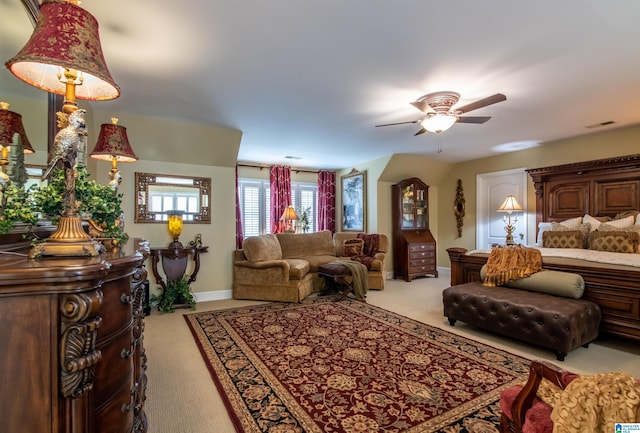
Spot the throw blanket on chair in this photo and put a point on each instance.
(594, 403)
(510, 263)
(371, 243)
(359, 276)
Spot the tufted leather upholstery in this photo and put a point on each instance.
(560, 324)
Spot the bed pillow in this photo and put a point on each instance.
(352, 247)
(562, 239)
(594, 222)
(544, 226)
(557, 283)
(606, 227)
(614, 241)
(582, 228)
(622, 222)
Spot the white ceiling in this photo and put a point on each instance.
(310, 79)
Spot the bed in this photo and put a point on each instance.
(601, 188)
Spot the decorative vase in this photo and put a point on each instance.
(174, 221)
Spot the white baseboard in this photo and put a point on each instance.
(218, 295)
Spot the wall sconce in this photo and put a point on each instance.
(10, 125)
(289, 217)
(174, 221)
(113, 145)
(64, 56)
(510, 205)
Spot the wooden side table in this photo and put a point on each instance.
(174, 263)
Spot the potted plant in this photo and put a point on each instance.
(101, 204)
(178, 292)
(17, 211)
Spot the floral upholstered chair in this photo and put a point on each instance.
(601, 399)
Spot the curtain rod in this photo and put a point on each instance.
(297, 170)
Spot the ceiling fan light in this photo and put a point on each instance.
(439, 122)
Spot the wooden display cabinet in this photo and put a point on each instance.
(414, 247)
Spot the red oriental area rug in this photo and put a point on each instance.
(338, 367)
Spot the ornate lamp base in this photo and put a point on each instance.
(69, 240)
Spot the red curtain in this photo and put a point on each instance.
(239, 232)
(327, 200)
(280, 194)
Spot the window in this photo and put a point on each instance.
(254, 204)
(174, 198)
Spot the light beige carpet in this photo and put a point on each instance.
(182, 398)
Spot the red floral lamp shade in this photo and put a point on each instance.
(113, 143)
(11, 124)
(66, 36)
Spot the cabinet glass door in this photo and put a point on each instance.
(421, 210)
(408, 207)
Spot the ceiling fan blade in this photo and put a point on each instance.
(473, 119)
(399, 123)
(423, 106)
(498, 97)
(421, 131)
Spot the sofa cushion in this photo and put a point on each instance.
(262, 248)
(298, 268)
(352, 247)
(303, 245)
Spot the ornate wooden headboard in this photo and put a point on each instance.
(604, 187)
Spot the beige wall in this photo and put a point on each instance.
(173, 147)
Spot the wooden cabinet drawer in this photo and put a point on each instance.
(422, 255)
(615, 304)
(421, 247)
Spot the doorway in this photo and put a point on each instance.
(491, 191)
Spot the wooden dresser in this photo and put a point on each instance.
(414, 247)
(71, 343)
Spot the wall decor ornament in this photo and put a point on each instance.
(458, 207)
(354, 201)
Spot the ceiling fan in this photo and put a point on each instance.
(439, 114)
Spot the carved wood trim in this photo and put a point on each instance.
(78, 354)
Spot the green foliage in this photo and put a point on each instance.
(178, 291)
(303, 219)
(100, 201)
(17, 208)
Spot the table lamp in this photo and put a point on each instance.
(113, 145)
(174, 221)
(510, 205)
(64, 56)
(289, 217)
(11, 124)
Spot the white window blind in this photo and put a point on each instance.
(255, 204)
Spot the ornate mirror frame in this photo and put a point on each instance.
(145, 181)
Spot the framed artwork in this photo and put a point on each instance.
(354, 201)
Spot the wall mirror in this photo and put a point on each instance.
(157, 194)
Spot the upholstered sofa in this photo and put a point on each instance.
(284, 267)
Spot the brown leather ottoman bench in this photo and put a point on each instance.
(557, 323)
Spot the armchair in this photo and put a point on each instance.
(527, 409)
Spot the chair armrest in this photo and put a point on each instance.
(524, 400)
(265, 272)
(264, 264)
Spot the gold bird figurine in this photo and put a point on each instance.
(66, 142)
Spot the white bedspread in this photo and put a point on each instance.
(588, 255)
